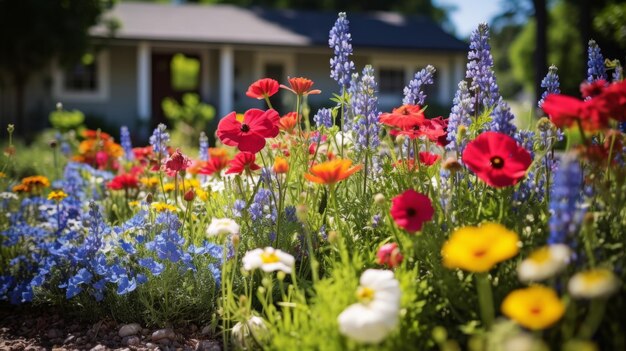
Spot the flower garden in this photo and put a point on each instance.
(354, 229)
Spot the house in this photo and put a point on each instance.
(216, 51)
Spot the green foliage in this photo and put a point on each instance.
(611, 22)
(189, 118)
(66, 120)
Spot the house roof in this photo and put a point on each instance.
(231, 24)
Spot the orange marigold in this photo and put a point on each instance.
(331, 172)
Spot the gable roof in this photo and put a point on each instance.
(229, 24)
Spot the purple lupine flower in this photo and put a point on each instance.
(238, 208)
(413, 94)
(203, 152)
(340, 41)
(550, 83)
(365, 106)
(617, 73)
(595, 63)
(566, 211)
(461, 115)
(528, 185)
(126, 143)
(323, 117)
(260, 205)
(502, 118)
(159, 139)
(479, 68)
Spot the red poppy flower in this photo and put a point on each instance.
(428, 158)
(301, 86)
(565, 110)
(262, 88)
(496, 159)
(288, 122)
(614, 99)
(411, 209)
(214, 165)
(243, 161)
(124, 181)
(176, 162)
(594, 88)
(403, 117)
(248, 133)
(389, 255)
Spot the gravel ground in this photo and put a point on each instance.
(29, 329)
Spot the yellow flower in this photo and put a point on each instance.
(133, 203)
(203, 195)
(161, 206)
(57, 195)
(593, 283)
(150, 182)
(191, 183)
(36, 181)
(167, 187)
(3, 175)
(536, 307)
(478, 249)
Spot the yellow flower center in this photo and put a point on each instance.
(365, 294)
(595, 277)
(269, 257)
(540, 256)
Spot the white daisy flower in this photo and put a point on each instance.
(222, 226)
(594, 283)
(5, 195)
(376, 314)
(269, 260)
(544, 263)
(247, 335)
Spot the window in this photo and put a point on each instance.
(86, 81)
(391, 80)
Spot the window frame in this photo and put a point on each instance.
(100, 94)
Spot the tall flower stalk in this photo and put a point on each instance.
(480, 69)
(413, 93)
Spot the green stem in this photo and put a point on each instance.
(594, 318)
(485, 299)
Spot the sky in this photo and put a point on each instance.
(469, 13)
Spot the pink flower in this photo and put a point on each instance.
(389, 255)
(176, 162)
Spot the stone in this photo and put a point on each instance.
(206, 330)
(208, 345)
(162, 334)
(164, 341)
(54, 333)
(69, 339)
(99, 347)
(131, 340)
(151, 345)
(129, 329)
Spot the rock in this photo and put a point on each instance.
(129, 329)
(206, 330)
(151, 345)
(131, 340)
(145, 331)
(162, 334)
(208, 345)
(164, 341)
(193, 328)
(54, 333)
(98, 347)
(69, 339)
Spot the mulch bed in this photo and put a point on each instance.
(36, 329)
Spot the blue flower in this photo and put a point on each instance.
(340, 41)
(126, 143)
(238, 208)
(413, 94)
(203, 152)
(365, 106)
(461, 115)
(595, 63)
(323, 117)
(154, 267)
(550, 83)
(159, 140)
(566, 202)
(73, 285)
(480, 68)
(126, 285)
(502, 119)
(216, 272)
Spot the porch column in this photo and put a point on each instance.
(144, 77)
(459, 69)
(444, 82)
(227, 78)
(205, 84)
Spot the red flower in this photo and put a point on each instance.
(262, 88)
(176, 162)
(248, 133)
(411, 209)
(301, 86)
(124, 181)
(403, 117)
(594, 88)
(216, 164)
(614, 99)
(389, 255)
(243, 161)
(565, 110)
(428, 158)
(496, 159)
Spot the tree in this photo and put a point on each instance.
(33, 32)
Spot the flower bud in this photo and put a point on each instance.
(59, 106)
(53, 143)
(332, 237)
(149, 198)
(246, 335)
(189, 195)
(379, 199)
(280, 276)
(236, 239)
(389, 255)
(451, 164)
(302, 211)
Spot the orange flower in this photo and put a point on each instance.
(280, 165)
(331, 172)
(288, 122)
(218, 152)
(301, 86)
(36, 181)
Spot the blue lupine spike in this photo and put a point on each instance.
(595, 63)
(480, 68)
(126, 143)
(340, 40)
(550, 83)
(413, 93)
